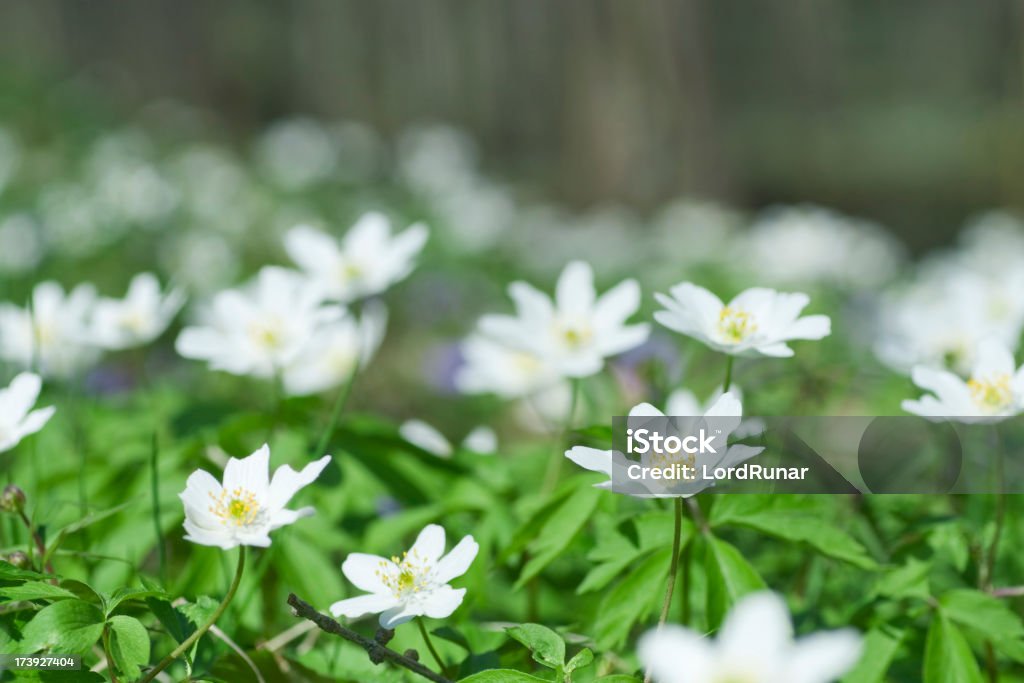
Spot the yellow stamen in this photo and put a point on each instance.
(735, 325)
(238, 507)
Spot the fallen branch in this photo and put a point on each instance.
(374, 649)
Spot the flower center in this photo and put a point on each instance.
(267, 334)
(237, 507)
(575, 335)
(413, 575)
(735, 325)
(992, 394)
(349, 271)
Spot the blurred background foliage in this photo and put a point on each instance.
(907, 113)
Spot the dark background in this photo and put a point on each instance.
(909, 113)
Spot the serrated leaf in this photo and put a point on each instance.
(65, 627)
(129, 644)
(547, 647)
(730, 577)
(947, 656)
(908, 581)
(559, 531)
(982, 612)
(630, 599)
(36, 590)
(787, 520)
(502, 676)
(880, 646)
(126, 593)
(8, 572)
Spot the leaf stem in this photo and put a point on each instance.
(430, 646)
(154, 484)
(555, 464)
(673, 569)
(728, 373)
(198, 633)
(106, 651)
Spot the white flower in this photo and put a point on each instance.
(51, 336)
(368, 260)
(248, 505)
(491, 367)
(684, 402)
(754, 645)
(807, 244)
(260, 330)
(17, 419)
(139, 318)
(725, 413)
(994, 390)
(757, 321)
(575, 332)
(482, 439)
(335, 351)
(416, 584)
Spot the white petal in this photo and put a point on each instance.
(362, 571)
(287, 482)
(779, 350)
(591, 459)
(311, 249)
(353, 608)
(419, 433)
(575, 289)
(250, 473)
(442, 602)
(209, 537)
(35, 420)
(531, 303)
(810, 327)
(396, 616)
(456, 562)
(683, 403)
(200, 343)
(429, 545)
(18, 398)
(617, 304)
(481, 440)
(823, 657)
(676, 655)
(280, 518)
(993, 360)
(757, 631)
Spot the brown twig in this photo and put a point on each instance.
(377, 652)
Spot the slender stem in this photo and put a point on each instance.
(430, 646)
(40, 546)
(728, 373)
(110, 657)
(988, 569)
(154, 483)
(1008, 592)
(673, 569)
(377, 652)
(336, 411)
(555, 463)
(188, 642)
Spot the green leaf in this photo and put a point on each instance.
(129, 644)
(631, 598)
(502, 676)
(791, 520)
(65, 627)
(618, 678)
(547, 647)
(985, 614)
(126, 593)
(880, 646)
(8, 572)
(908, 581)
(559, 531)
(730, 576)
(36, 590)
(581, 660)
(947, 656)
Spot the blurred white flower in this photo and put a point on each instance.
(297, 153)
(416, 584)
(139, 318)
(994, 390)
(248, 505)
(262, 329)
(684, 402)
(803, 245)
(757, 321)
(490, 367)
(52, 335)
(202, 260)
(335, 351)
(368, 260)
(435, 159)
(942, 317)
(17, 419)
(21, 244)
(575, 332)
(755, 645)
(481, 439)
(724, 414)
(693, 232)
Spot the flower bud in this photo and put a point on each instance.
(12, 499)
(19, 560)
